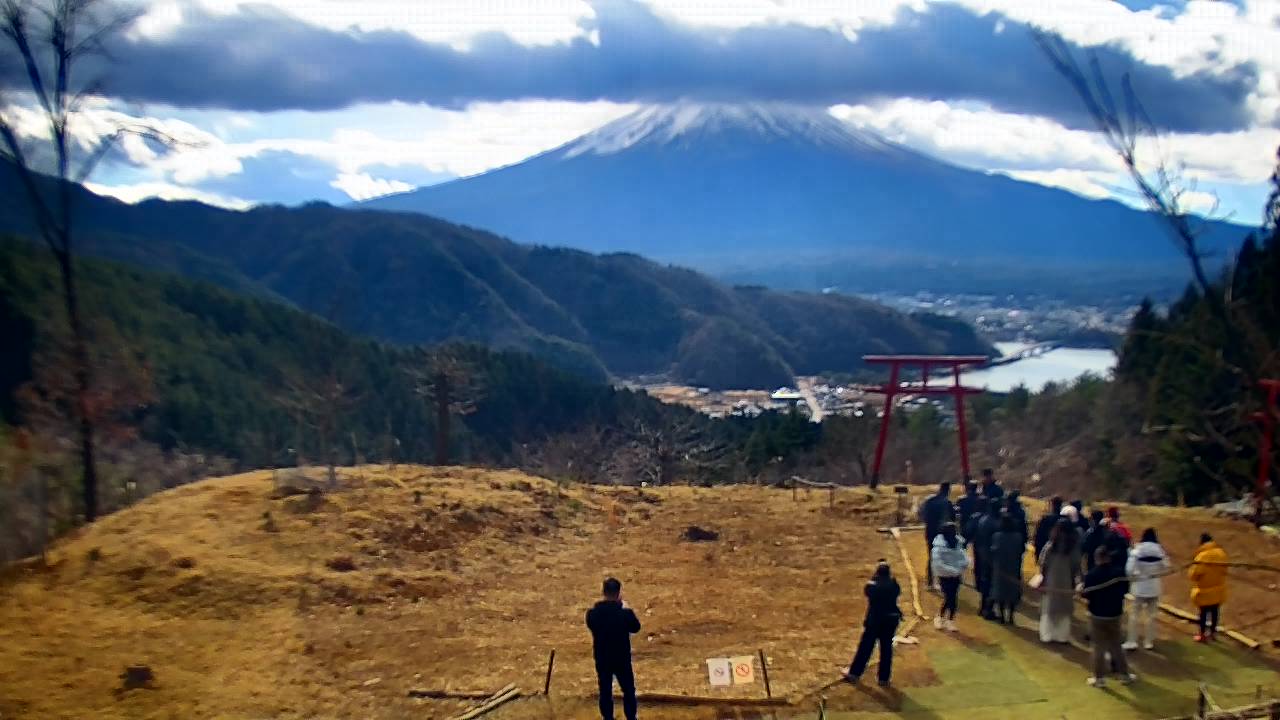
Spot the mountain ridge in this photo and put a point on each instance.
(409, 279)
(729, 187)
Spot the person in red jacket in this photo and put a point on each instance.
(1118, 527)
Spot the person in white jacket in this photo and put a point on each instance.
(949, 563)
(1147, 564)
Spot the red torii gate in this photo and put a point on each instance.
(955, 390)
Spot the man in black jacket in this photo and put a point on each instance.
(991, 489)
(935, 512)
(879, 625)
(968, 504)
(612, 624)
(1104, 589)
(1044, 528)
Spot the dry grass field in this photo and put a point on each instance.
(337, 609)
(248, 605)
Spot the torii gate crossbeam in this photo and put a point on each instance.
(895, 387)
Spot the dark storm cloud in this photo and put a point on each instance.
(260, 59)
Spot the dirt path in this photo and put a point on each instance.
(805, 386)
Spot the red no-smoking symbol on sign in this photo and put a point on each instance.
(742, 669)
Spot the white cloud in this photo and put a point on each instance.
(137, 192)
(485, 136)
(456, 22)
(361, 186)
(849, 16)
(1081, 182)
(1041, 150)
(440, 142)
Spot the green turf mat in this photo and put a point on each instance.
(972, 677)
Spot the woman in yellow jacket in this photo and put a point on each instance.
(1208, 576)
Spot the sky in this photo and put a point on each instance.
(288, 101)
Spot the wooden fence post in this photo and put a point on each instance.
(764, 670)
(551, 663)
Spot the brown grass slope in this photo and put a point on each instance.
(248, 605)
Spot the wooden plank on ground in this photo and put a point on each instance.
(911, 573)
(1261, 710)
(1194, 618)
(452, 694)
(673, 699)
(490, 705)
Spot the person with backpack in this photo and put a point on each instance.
(1104, 591)
(1059, 573)
(879, 626)
(949, 562)
(612, 624)
(1147, 564)
(1094, 538)
(934, 513)
(1008, 545)
(1115, 541)
(1208, 575)
(1118, 527)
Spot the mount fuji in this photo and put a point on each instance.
(729, 188)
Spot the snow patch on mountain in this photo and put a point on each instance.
(683, 123)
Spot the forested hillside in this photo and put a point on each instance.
(410, 279)
(194, 366)
(1178, 419)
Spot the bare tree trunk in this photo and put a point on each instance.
(83, 383)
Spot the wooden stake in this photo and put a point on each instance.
(551, 663)
(764, 670)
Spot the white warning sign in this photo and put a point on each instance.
(722, 672)
(719, 671)
(744, 670)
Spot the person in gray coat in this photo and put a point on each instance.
(1007, 548)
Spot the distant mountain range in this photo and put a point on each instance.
(781, 194)
(409, 279)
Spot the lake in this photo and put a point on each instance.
(1060, 366)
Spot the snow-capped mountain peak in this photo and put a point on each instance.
(687, 122)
